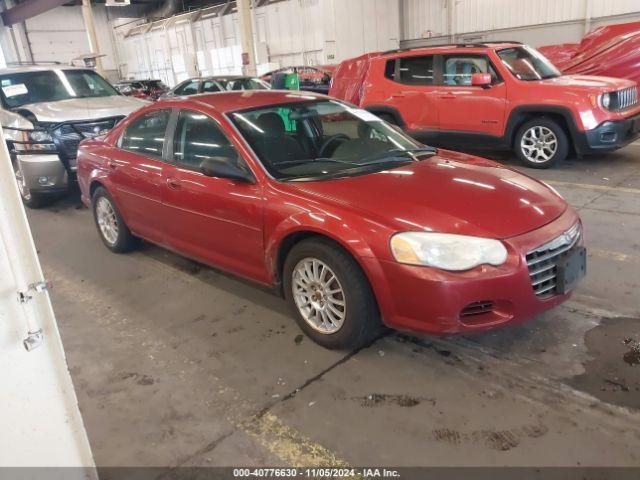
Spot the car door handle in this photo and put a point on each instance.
(398, 95)
(174, 184)
(448, 96)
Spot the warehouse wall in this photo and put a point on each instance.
(539, 22)
(59, 35)
(293, 32)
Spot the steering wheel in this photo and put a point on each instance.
(330, 140)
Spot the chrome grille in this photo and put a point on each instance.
(625, 98)
(69, 135)
(543, 261)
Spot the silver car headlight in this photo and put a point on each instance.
(605, 100)
(446, 251)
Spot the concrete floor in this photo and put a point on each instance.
(176, 364)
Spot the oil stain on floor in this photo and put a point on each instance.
(612, 374)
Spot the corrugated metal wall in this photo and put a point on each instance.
(59, 35)
(422, 18)
(311, 32)
(293, 32)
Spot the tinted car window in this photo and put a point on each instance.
(416, 70)
(198, 138)
(145, 135)
(211, 86)
(245, 84)
(188, 88)
(390, 69)
(459, 68)
(322, 139)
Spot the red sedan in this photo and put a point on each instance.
(353, 221)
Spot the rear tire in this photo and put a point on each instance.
(541, 143)
(337, 314)
(113, 232)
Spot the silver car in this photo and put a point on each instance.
(46, 112)
(221, 83)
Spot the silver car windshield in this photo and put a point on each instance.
(22, 88)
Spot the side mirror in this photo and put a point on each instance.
(481, 80)
(224, 167)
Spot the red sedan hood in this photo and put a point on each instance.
(451, 192)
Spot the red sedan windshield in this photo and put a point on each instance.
(323, 139)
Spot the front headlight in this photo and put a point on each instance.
(39, 136)
(446, 251)
(34, 141)
(605, 100)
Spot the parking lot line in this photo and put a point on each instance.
(588, 186)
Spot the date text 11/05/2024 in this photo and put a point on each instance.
(316, 472)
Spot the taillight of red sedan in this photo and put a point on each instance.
(354, 222)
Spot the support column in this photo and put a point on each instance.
(451, 20)
(87, 15)
(246, 36)
(587, 16)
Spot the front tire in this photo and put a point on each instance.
(113, 232)
(30, 199)
(541, 143)
(329, 295)
(387, 117)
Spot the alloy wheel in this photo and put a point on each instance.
(539, 144)
(107, 220)
(318, 295)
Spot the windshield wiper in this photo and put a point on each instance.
(320, 159)
(398, 154)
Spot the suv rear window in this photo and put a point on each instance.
(415, 70)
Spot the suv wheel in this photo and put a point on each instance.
(387, 117)
(30, 199)
(113, 231)
(330, 296)
(541, 142)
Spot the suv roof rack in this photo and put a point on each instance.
(459, 45)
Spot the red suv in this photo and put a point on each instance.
(354, 221)
(497, 95)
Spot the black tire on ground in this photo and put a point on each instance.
(362, 323)
(124, 240)
(30, 199)
(534, 159)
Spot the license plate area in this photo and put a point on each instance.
(572, 267)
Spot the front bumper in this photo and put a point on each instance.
(43, 173)
(609, 135)
(433, 301)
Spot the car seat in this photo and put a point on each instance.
(274, 144)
